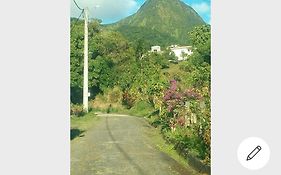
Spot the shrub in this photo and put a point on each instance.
(188, 115)
(115, 95)
(76, 110)
(141, 108)
(110, 101)
(128, 99)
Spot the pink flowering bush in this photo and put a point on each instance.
(175, 99)
(188, 112)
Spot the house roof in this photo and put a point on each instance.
(179, 47)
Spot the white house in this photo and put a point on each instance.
(155, 49)
(181, 52)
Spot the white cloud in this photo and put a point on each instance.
(201, 8)
(107, 10)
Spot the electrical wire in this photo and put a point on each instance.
(77, 5)
(74, 24)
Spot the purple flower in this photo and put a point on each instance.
(191, 93)
(173, 85)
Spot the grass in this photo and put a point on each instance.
(168, 148)
(79, 125)
(168, 144)
(140, 109)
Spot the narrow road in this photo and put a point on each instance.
(121, 145)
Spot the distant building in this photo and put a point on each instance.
(181, 52)
(155, 49)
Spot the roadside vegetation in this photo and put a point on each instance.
(125, 78)
(80, 124)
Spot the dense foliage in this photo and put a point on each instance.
(107, 49)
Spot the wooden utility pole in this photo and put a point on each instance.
(85, 82)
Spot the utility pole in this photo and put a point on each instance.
(85, 79)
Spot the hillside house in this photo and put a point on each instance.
(181, 52)
(155, 49)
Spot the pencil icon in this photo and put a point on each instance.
(253, 153)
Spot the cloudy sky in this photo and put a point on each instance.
(113, 10)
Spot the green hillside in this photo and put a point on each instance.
(160, 22)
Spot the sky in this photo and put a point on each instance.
(110, 11)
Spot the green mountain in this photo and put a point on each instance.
(160, 22)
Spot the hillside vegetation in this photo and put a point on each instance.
(160, 22)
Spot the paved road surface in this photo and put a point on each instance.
(121, 145)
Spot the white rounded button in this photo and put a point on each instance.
(253, 153)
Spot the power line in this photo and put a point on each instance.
(74, 24)
(82, 11)
(77, 5)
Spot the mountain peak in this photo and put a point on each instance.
(161, 20)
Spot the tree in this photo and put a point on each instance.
(201, 40)
(76, 57)
(108, 51)
(141, 47)
(101, 73)
(112, 45)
